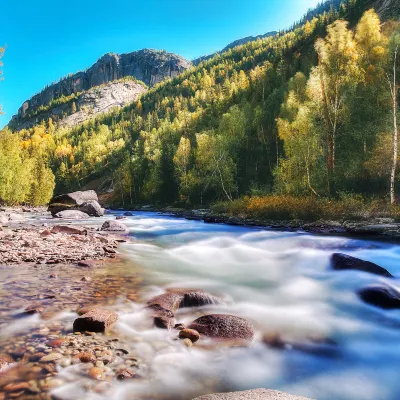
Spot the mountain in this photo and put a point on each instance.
(148, 66)
(232, 45)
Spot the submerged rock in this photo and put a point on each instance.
(256, 394)
(345, 262)
(190, 334)
(114, 226)
(382, 296)
(223, 326)
(165, 305)
(96, 320)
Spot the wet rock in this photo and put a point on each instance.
(85, 357)
(69, 230)
(96, 373)
(164, 322)
(15, 387)
(71, 201)
(71, 214)
(223, 326)
(57, 342)
(51, 357)
(86, 279)
(33, 309)
(179, 298)
(87, 263)
(345, 262)
(191, 334)
(164, 306)
(5, 361)
(179, 326)
(381, 296)
(128, 214)
(114, 226)
(119, 217)
(257, 394)
(188, 342)
(125, 373)
(96, 320)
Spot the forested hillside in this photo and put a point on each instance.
(308, 112)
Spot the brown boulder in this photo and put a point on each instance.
(191, 334)
(96, 320)
(223, 326)
(69, 230)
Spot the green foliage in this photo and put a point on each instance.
(304, 113)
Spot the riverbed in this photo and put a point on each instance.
(280, 281)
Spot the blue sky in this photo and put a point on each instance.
(48, 39)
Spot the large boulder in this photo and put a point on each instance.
(95, 320)
(223, 326)
(163, 307)
(85, 201)
(92, 207)
(71, 214)
(345, 262)
(256, 394)
(114, 226)
(381, 296)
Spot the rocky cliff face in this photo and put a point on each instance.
(149, 66)
(387, 8)
(87, 105)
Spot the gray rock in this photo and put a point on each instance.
(257, 394)
(223, 326)
(76, 198)
(92, 207)
(71, 214)
(114, 226)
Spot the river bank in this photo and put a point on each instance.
(304, 316)
(387, 229)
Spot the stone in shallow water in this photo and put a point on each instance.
(382, 296)
(71, 214)
(191, 334)
(223, 326)
(345, 262)
(257, 394)
(96, 320)
(114, 226)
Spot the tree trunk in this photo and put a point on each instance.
(395, 133)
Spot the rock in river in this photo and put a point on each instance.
(93, 208)
(71, 214)
(223, 326)
(114, 226)
(165, 305)
(382, 296)
(343, 262)
(96, 320)
(257, 394)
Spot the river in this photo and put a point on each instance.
(282, 282)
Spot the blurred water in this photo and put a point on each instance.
(282, 282)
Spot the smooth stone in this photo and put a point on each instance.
(96, 320)
(342, 262)
(191, 334)
(381, 296)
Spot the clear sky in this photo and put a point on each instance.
(48, 39)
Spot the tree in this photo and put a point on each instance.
(181, 162)
(335, 74)
(2, 49)
(392, 76)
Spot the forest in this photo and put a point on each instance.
(309, 113)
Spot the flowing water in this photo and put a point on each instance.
(282, 283)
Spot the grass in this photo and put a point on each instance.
(309, 209)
